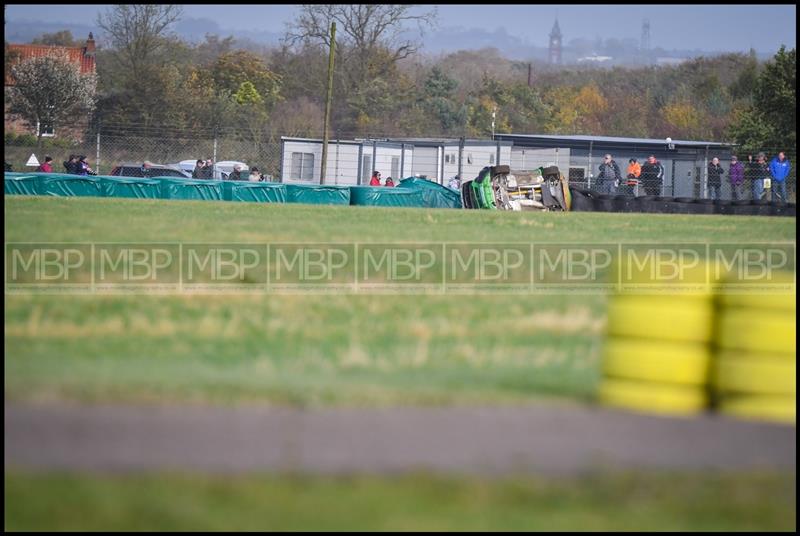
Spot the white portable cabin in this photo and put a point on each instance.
(350, 162)
(353, 161)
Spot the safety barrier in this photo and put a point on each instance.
(687, 353)
(591, 201)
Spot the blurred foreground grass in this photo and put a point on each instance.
(307, 350)
(597, 502)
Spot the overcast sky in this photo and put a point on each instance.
(687, 27)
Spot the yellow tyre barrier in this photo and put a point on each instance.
(680, 363)
(768, 375)
(656, 317)
(651, 397)
(786, 301)
(771, 408)
(757, 331)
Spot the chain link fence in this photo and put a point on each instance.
(685, 175)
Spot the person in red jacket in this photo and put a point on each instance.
(376, 179)
(389, 182)
(46, 167)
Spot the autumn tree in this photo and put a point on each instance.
(771, 121)
(50, 91)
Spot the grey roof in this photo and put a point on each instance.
(611, 139)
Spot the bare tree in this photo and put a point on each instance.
(139, 31)
(363, 27)
(50, 91)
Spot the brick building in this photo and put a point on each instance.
(84, 56)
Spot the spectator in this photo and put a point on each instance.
(255, 175)
(198, 167)
(760, 173)
(376, 179)
(46, 167)
(779, 168)
(146, 169)
(208, 170)
(83, 168)
(632, 177)
(715, 172)
(455, 183)
(389, 182)
(652, 176)
(750, 175)
(736, 176)
(609, 176)
(71, 165)
(236, 174)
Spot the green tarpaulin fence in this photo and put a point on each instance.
(133, 187)
(60, 184)
(434, 195)
(381, 196)
(190, 189)
(20, 183)
(413, 192)
(258, 192)
(318, 195)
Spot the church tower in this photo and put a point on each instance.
(555, 44)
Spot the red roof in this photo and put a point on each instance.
(76, 55)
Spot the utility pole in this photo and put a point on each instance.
(323, 169)
(494, 114)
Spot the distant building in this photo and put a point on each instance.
(83, 56)
(670, 61)
(555, 44)
(594, 58)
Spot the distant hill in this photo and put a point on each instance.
(441, 41)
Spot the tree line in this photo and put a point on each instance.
(148, 79)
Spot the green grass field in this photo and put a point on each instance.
(600, 502)
(317, 350)
(344, 349)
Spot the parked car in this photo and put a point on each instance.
(151, 170)
(223, 168)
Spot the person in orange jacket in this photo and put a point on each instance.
(632, 176)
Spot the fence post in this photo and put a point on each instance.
(589, 174)
(97, 158)
(214, 159)
(705, 175)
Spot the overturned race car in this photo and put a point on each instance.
(497, 188)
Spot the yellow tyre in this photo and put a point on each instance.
(768, 408)
(680, 363)
(777, 298)
(742, 373)
(652, 397)
(662, 318)
(785, 301)
(757, 331)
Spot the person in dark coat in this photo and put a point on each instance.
(652, 177)
(715, 172)
(71, 165)
(609, 176)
